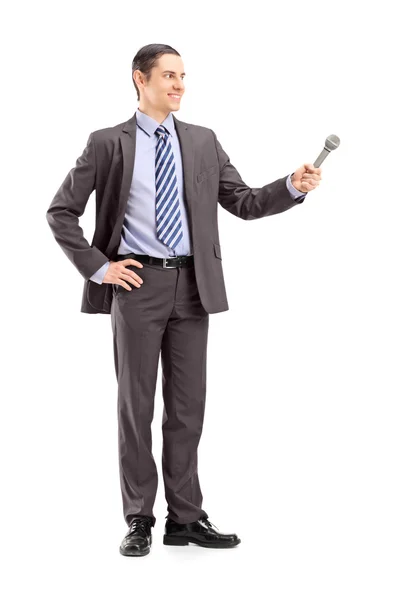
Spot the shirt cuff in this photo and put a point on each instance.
(292, 190)
(98, 276)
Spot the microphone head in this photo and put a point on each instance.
(332, 142)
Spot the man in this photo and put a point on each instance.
(155, 265)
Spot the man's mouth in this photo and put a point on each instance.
(175, 96)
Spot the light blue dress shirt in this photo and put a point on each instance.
(139, 227)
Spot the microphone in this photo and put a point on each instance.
(331, 143)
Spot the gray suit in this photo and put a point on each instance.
(106, 165)
(169, 314)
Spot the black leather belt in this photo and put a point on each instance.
(168, 263)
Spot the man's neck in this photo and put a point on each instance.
(154, 114)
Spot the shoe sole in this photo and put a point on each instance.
(135, 553)
(176, 541)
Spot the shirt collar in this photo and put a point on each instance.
(149, 125)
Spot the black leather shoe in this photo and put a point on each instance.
(137, 541)
(200, 532)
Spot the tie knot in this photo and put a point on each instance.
(161, 131)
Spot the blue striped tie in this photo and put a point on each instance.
(168, 214)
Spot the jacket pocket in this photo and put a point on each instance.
(217, 250)
(204, 174)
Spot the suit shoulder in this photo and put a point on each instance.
(198, 128)
(200, 133)
(107, 133)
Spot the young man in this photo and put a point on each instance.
(155, 265)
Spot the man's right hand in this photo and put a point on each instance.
(118, 273)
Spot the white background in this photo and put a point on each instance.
(300, 448)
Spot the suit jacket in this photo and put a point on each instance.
(106, 165)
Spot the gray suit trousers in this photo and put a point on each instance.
(164, 315)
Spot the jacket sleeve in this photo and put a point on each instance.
(68, 205)
(246, 202)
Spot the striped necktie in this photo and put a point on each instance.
(168, 214)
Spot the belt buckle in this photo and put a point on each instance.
(167, 266)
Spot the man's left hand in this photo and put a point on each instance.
(306, 178)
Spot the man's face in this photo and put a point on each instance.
(166, 78)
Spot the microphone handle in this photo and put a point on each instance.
(321, 158)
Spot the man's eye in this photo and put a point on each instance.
(170, 74)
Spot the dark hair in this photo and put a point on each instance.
(146, 59)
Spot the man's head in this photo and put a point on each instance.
(158, 72)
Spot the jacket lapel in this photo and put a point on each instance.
(188, 156)
(128, 146)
